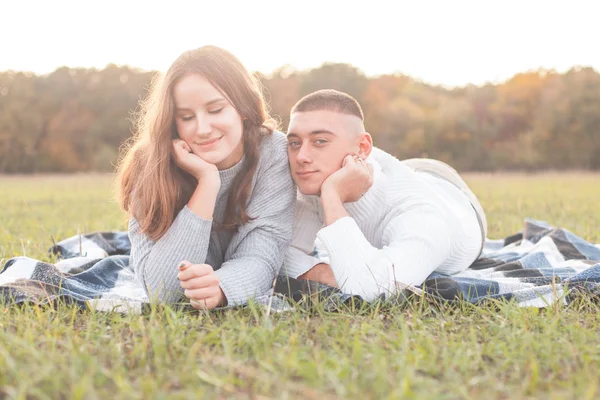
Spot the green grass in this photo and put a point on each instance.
(417, 350)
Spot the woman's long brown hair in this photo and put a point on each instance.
(149, 184)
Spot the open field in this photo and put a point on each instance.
(413, 351)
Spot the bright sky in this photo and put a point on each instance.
(448, 42)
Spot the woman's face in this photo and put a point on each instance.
(208, 122)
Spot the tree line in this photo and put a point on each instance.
(76, 119)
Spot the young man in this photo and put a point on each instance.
(382, 223)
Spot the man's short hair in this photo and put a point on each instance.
(329, 100)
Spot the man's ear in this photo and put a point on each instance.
(365, 145)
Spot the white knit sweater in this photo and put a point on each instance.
(408, 225)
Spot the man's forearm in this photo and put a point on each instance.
(333, 207)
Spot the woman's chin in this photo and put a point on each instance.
(211, 157)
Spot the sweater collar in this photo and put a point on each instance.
(227, 175)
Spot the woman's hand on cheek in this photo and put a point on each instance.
(193, 164)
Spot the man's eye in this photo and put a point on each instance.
(320, 141)
(294, 144)
(218, 110)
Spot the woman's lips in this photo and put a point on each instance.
(208, 143)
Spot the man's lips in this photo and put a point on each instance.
(305, 173)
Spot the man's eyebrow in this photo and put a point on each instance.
(321, 131)
(315, 132)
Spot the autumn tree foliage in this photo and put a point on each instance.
(76, 119)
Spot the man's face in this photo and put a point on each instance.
(318, 141)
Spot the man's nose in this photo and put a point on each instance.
(303, 155)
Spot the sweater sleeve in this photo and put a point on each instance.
(255, 254)
(300, 256)
(416, 242)
(155, 262)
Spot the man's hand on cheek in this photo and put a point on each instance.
(351, 181)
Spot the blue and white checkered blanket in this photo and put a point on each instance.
(536, 267)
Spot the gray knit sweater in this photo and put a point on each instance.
(245, 260)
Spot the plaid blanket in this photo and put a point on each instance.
(536, 267)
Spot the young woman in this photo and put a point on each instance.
(207, 185)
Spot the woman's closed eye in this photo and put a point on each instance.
(216, 111)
